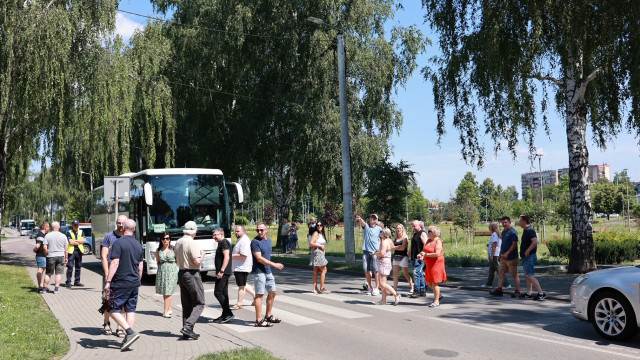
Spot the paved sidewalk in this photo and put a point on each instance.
(77, 311)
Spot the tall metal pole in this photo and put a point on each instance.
(626, 176)
(347, 195)
(541, 191)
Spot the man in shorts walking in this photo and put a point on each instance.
(41, 256)
(189, 256)
(263, 278)
(107, 244)
(123, 281)
(56, 247)
(528, 249)
(370, 245)
(242, 265)
(508, 257)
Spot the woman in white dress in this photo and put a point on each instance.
(318, 242)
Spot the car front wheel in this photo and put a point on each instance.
(612, 316)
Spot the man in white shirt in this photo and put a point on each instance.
(242, 264)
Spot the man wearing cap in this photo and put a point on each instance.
(371, 245)
(75, 238)
(189, 256)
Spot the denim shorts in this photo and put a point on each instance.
(42, 261)
(262, 281)
(369, 262)
(529, 263)
(123, 297)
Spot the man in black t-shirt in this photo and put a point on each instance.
(41, 256)
(223, 272)
(123, 281)
(528, 249)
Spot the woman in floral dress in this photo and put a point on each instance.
(167, 276)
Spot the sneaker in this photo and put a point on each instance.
(484, 286)
(365, 285)
(56, 291)
(516, 294)
(496, 292)
(526, 296)
(129, 340)
(226, 319)
(167, 315)
(375, 292)
(189, 333)
(506, 287)
(218, 319)
(78, 284)
(66, 284)
(423, 294)
(540, 297)
(43, 291)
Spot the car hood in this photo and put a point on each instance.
(617, 271)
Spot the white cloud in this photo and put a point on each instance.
(126, 27)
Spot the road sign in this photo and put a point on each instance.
(116, 186)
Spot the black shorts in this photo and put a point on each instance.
(55, 264)
(127, 297)
(241, 278)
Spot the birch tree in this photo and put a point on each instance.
(498, 56)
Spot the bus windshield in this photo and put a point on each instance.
(181, 198)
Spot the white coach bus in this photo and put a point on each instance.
(163, 200)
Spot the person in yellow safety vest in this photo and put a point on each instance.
(76, 239)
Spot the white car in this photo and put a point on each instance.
(610, 300)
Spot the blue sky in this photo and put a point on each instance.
(440, 169)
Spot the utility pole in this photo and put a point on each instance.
(347, 194)
(539, 156)
(626, 176)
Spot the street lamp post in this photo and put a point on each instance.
(539, 156)
(347, 196)
(626, 176)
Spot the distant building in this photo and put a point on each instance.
(532, 180)
(552, 177)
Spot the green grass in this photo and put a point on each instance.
(240, 354)
(39, 337)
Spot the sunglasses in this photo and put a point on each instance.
(319, 225)
(261, 230)
(167, 238)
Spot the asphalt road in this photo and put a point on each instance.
(347, 325)
(468, 325)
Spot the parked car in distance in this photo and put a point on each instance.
(34, 233)
(610, 300)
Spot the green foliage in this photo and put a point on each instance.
(418, 205)
(605, 198)
(240, 354)
(610, 247)
(388, 189)
(466, 202)
(242, 220)
(22, 339)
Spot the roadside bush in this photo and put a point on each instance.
(242, 220)
(610, 247)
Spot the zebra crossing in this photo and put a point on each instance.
(297, 306)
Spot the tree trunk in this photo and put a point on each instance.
(284, 196)
(582, 257)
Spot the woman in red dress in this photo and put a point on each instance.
(434, 259)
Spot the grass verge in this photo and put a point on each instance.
(39, 337)
(240, 354)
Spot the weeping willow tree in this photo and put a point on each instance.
(73, 95)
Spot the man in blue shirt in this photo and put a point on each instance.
(370, 245)
(263, 278)
(508, 257)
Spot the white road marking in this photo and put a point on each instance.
(316, 306)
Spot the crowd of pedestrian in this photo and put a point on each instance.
(179, 266)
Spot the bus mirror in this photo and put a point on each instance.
(237, 189)
(148, 194)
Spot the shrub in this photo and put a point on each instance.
(610, 247)
(242, 220)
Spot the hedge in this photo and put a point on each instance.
(610, 247)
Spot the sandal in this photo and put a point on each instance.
(236, 307)
(106, 328)
(120, 333)
(325, 291)
(395, 303)
(262, 323)
(273, 320)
